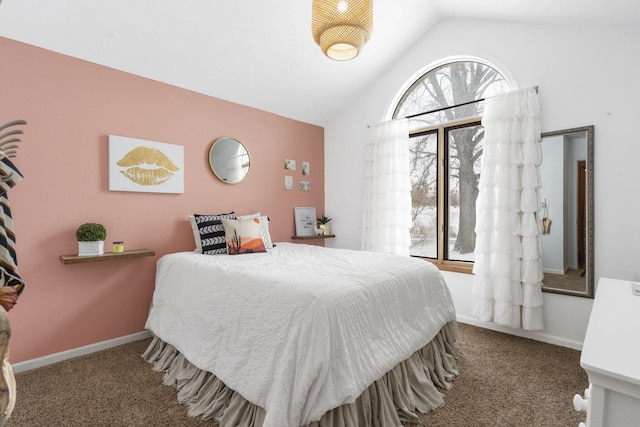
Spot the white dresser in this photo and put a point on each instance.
(611, 357)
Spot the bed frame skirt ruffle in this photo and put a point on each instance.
(407, 389)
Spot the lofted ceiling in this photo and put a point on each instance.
(260, 53)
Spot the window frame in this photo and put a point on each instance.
(442, 183)
(393, 112)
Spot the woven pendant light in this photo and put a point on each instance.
(341, 27)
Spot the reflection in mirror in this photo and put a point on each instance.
(229, 160)
(566, 211)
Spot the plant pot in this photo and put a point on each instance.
(326, 230)
(91, 248)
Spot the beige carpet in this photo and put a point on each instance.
(573, 280)
(504, 381)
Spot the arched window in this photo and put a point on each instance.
(444, 107)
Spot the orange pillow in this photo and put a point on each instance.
(243, 236)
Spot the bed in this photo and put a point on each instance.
(303, 335)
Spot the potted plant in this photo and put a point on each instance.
(90, 237)
(323, 224)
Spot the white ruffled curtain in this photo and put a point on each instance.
(508, 268)
(386, 218)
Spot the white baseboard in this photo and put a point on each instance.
(75, 352)
(549, 339)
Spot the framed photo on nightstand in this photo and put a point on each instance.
(305, 221)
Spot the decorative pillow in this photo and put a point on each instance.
(210, 238)
(264, 230)
(243, 236)
(196, 233)
(264, 226)
(248, 216)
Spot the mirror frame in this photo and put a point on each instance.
(589, 293)
(210, 160)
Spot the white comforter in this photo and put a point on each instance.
(302, 329)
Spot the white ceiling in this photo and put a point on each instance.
(260, 53)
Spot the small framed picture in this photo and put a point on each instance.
(305, 219)
(288, 182)
(305, 186)
(305, 169)
(289, 164)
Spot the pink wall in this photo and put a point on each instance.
(72, 106)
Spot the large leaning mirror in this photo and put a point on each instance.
(229, 160)
(566, 211)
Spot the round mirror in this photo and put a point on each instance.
(229, 160)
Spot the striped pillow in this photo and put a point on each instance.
(211, 233)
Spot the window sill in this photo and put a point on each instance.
(456, 267)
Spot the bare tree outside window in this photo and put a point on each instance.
(455, 85)
(465, 150)
(424, 195)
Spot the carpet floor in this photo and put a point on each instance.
(573, 280)
(504, 381)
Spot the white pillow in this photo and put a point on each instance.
(249, 216)
(196, 233)
(264, 230)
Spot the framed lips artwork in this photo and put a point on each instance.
(145, 166)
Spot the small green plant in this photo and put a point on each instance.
(91, 232)
(324, 219)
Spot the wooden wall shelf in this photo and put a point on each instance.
(321, 236)
(107, 256)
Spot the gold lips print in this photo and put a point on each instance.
(147, 166)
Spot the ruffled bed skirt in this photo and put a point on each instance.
(407, 389)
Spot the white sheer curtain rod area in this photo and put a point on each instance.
(453, 106)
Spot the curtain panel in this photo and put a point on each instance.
(386, 221)
(508, 268)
